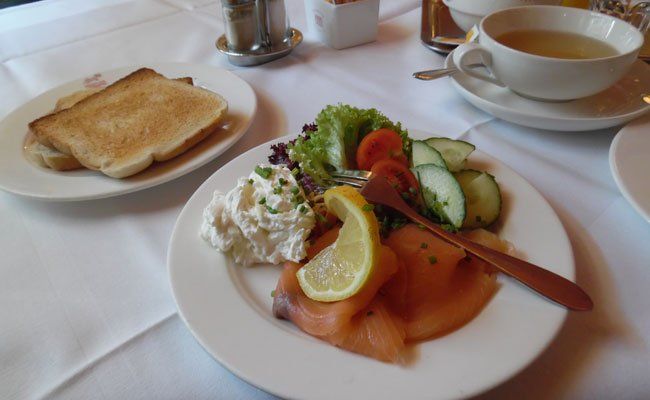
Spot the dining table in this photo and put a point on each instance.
(86, 309)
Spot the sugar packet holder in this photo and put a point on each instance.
(344, 24)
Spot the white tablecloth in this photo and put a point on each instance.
(85, 306)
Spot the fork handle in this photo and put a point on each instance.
(544, 282)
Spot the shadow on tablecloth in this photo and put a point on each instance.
(578, 344)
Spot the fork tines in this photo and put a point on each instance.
(351, 173)
(351, 177)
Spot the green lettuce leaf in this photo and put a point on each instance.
(334, 145)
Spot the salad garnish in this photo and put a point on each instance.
(332, 141)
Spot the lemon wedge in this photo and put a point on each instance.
(341, 269)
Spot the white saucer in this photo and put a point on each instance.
(630, 163)
(617, 105)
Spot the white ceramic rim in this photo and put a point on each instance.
(616, 173)
(458, 10)
(466, 8)
(273, 340)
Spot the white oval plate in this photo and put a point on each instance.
(629, 160)
(19, 176)
(228, 309)
(615, 106)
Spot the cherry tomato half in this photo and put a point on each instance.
(380, 145)
(398, 175)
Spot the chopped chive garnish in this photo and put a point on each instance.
(368, 207)
(271, 210)
(320, 217)
(263, 172)
(298, 199)
(283, 181)
(295, 190)
(302, 209)
(262, 200)
(433, 260)
(423, 245)
(295, 171)
(277, 190)
(250, 181)
(273, 293)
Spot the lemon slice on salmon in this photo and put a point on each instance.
(342, 268)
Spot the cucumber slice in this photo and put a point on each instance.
(422, 153)
(442, 193)
(454, 152)
(482, 197)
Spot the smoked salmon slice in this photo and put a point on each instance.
(423, 287)
(375, 332)
(468, 291)
(395, 290)
(444, 290)
(361, 324)
(430, 262)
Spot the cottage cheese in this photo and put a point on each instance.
(271, 232)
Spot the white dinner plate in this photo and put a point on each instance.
(20, 176)
(228, 309)
(629, 160)
(615, 106)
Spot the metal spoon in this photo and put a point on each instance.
(431, 74)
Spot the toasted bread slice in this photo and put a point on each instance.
(74, 98)
(49, 157)
(142, 117)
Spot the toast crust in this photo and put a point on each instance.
(142, 117)
(74, 98)
(48, 158)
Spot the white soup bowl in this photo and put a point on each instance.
(547, 78)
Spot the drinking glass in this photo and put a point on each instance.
(636, 13)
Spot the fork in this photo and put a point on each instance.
(376, 189)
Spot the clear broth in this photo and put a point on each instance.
(556, 44)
